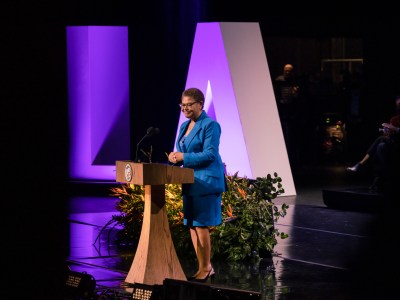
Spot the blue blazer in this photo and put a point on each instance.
(202, 155)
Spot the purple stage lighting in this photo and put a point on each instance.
(98, 97)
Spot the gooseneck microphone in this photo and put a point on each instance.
(150, 132)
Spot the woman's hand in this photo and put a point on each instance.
(175, 157)
(390, 127)
(172, 158)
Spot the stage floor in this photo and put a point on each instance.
(331, 253)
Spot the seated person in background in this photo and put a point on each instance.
(383, 149)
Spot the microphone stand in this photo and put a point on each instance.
(137, 147)
(148, 154)
(150, 131)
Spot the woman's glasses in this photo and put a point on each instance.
(186, 105)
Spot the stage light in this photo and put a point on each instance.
(79, 285)
(146, 292)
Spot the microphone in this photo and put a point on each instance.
(150, 132)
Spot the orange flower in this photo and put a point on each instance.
(229, 211)
(242, 192)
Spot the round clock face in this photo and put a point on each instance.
(128, 173)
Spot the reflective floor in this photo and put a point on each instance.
(330, 253)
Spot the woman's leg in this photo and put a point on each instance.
(374, 146)
(202, 246)
(370, 152)
(365, 158)
(193, 235)
(358, 165)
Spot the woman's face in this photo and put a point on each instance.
(190, 108)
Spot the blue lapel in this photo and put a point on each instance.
(197, 127)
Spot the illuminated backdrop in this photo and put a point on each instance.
(98, 98)
(229, 65)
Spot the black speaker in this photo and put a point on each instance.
(354, 199)
(219, 293)
(187, 290)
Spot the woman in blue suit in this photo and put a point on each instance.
(198, 148)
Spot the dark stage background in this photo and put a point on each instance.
(35, 100)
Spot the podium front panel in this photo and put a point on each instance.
(152, 173)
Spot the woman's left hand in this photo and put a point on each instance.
(390, 127)
(175, 157)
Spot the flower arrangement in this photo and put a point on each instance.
(248, 212)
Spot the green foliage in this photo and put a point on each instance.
(131, 208)
(250, 215)
(247, 210)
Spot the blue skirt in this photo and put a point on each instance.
(204, 210)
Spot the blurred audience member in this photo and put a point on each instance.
(384, 149)
(286, 88)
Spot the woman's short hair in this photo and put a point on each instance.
(194, 93)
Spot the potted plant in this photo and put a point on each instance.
(248, 215)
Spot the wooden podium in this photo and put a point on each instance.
(155, 258)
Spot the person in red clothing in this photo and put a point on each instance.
(383, 149)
